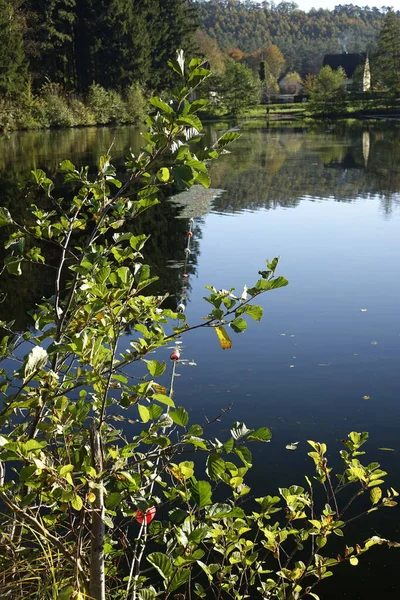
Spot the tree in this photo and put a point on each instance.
(328, 93)
(50, 40)
(239, 89)
(207, 47)
(13, 65)
(275, 61)
(387, 60)
(309, 83)
(261, 71)
(292, 83)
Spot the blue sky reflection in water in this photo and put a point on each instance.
(319, 365)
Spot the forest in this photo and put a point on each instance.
(303, 38)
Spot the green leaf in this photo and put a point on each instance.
(215, 466)
(202, 493)
(155, 368)
(253, 310)
(163, 174)
(66, 166)
(13, 264)
(113, 500)
(204, 179)
(180, 577)
(245, 455)
(263, 434)
(162, 563)
(239, 325)
(179, 416)
(76, 502)
(375, 494)
(163, 399)
(147, 594)
(144, 413)
(354, 561)
(66, 469)
(165, 108)
(227, 138)
(5, 217)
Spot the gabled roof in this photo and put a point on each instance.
(348, 62)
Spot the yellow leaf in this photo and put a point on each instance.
(91, 497)
(223, 337)
(175, 472)
(160, 389)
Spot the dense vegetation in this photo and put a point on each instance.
(67, 63)
(304, 38)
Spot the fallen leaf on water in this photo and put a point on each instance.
(366, 397)
(292, 446)
(282, 334)
(374, 343)
(387, 449)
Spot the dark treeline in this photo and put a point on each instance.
(302, 37)
(80, 42)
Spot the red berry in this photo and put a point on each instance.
(150, 514)
(189, 234)
(184, 276)
(175, 355)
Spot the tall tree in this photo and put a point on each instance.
(12, 62)
(239, 89)
(50, 39)
(328, 93)
(388, 54)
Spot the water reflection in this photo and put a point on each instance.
(280, 167)
(268, 167)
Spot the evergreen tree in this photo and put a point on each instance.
(388, 53)
(172, 24)
(12, 61)
(50, 39)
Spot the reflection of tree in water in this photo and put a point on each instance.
(168, 233)
(279, 167)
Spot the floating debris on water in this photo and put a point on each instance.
(292, 446)
(374, 343)
(363, 309)
(366, 397)
(195, 202)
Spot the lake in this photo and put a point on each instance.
(325, 359)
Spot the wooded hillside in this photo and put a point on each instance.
(303, 37)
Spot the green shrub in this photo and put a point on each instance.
(7, 116)
(107, 106)
(136, 103)
(81, 113)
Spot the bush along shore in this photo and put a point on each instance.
(54, 107)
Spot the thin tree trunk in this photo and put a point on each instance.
(97, 578)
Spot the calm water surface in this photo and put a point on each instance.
(327, 200)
